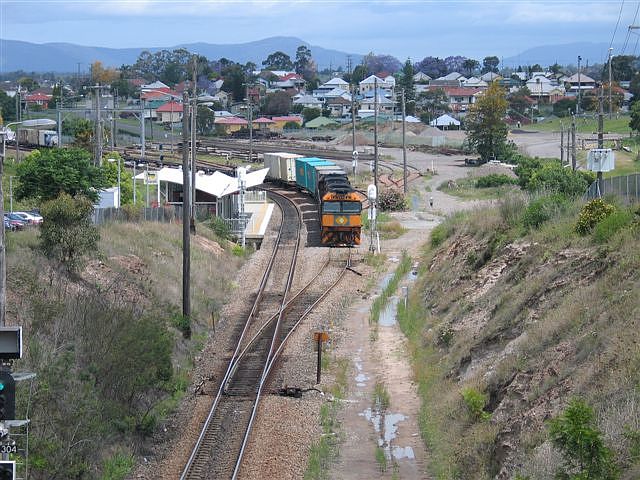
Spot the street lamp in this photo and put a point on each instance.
(111, 160)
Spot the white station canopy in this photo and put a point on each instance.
(218, 184)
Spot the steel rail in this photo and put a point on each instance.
(226, 377)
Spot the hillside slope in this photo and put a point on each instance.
(507, 326)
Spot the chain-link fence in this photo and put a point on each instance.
(626, 187)
(171, 213)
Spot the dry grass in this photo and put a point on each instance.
(559, 321)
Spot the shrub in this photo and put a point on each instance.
(494, 180)
(475, 402)
(592, 213)
(67, 233)
(544, 209)
(512, 207)
(391, 200)
(291, 126)
(220, 228)
(575, 434)
(611, 224)
(553, 177)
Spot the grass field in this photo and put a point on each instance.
(583, 125)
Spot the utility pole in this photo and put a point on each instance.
(404, 148)
(194, 111)
(3, 262)
(574, 153)
(186, 239)
(353, 117)
(562, 144)
(250, 118)
(610, 96)
(579, 88)
(600, 133)
(375, 132)
(97, 89)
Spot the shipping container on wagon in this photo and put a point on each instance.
(281, 166)
(305, 175)
(317, 172)
(35, 137)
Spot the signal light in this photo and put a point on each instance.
(7, 470)
(7, 397)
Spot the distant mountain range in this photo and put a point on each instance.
(64, 57)
(566, 54)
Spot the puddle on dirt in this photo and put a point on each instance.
(388, 314)
(386, 426)
(361, 377)
(385, 281)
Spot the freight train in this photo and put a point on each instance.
(340, 205)
(38, 138)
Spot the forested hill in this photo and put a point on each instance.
(64, 57)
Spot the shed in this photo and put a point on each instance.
(444, 121)
(320, 122)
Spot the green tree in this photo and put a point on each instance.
(634, 123)
(7, 107)
(470, 66)
(205, 120)
(235, 79)
(564, 107)
(56, 96)
(490, 64)
(277, 103)
(359, 73)
(432, 103)
(43, 175)
(553, 177)
(520, 100)
(310, 113)
(303, 61)
(406, 82)
(486, 128)
(278, 61)
(67, 233)
(29, 83)
(575, 434)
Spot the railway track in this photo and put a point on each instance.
(275, 314)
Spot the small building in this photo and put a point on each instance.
(320, 122)
(445, 121)
(230, 124)
(170, 112)
(280, 122)
(262, 123)
(38, 99)
(421, 77)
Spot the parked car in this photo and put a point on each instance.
(30, 218)
(14, 221)
(9, 226)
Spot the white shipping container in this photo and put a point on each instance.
(288, 166)
(272, 162)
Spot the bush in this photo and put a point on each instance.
(391, 201)
(291, 126)
(553, 177)
(494, 180)
(512, 207)
(67, 233)
(475, 402)
(611, 224)
(544, 209)
(220, 228)
(575, 434)
(592, 213)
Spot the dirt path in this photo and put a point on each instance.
(386, 442)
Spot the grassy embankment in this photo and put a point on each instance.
(109, 345)
(509, 322)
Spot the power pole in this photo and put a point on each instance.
(186, 239)
(250, 117)
(194, 112)
(404, 147)
(353, 118)
(375, 132)
(97, 89)
(610, 96)
(579, 88)
(574, 153)
(561, 143)
(600, 133)
(3, 263)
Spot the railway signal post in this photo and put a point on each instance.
(372, 194)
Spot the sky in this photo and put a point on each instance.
(403, 28)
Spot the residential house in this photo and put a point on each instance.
(543, 89)
(453, 79)
(280, 122)
(369, 83)
(389, 79)
(474, 82)
(368, 105)
(40, 99)
(421, 77)
(490, 77)
(160, 94)
(460, 98)
(338, 106)
(585, 83)
(335, 82)
(308, 101)
(151, 107)
(157, 85)
(169, 112)
(223, 97)
(230, 124)
(320, 122)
